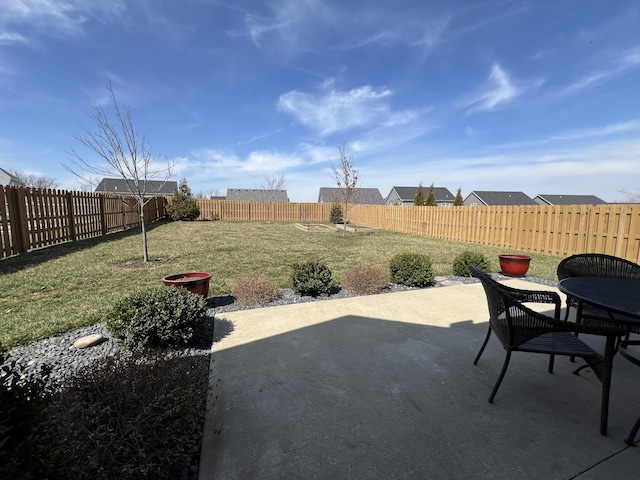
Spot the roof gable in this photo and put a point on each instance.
(8, 179)
(257, 195)
(149, 187)
(362, 196)
(503, 198)
(544, 199)
(408, 194)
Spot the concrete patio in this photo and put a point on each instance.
(383, 387)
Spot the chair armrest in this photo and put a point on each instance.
(533, 296)
(561, 325)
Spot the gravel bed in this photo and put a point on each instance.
(59, 354)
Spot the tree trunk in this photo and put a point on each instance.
(144, 235)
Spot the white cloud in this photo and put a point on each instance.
(331, 111)
(55, 16)
(7, 38)
(597, 132)
(499, 89)
(623, 62)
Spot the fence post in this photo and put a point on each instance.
(20, 222)
(72, 224)
(103, 213)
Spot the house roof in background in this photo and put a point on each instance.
(150, 187)
(9, 179)
(408, 194)
(363, 196)
(503, 198)
(569, 199)
(257, 195)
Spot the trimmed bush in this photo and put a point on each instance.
(254, 289)
(131, 416)
(412, 269)
(336, 214)
(156, 317)
(311, 278)
(469, 257)
(365, 279)
(23, 400)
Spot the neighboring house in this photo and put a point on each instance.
(217, 197)
(257, 195)
(478, 198)
(406, 196)
(568, 200)
(7, 179)
(362, 196)
(151, 188)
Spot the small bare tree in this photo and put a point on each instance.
(268, 192)
(121, 153)
(33, 180)
(630, 196)
(346, 178)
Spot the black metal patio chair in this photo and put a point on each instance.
(521, 329)
(595, 265)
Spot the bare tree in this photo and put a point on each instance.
(121, 153)
(270, 189)
(346, 178)
(631, 197)
(33, 180)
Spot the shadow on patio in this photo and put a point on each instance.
(384, 387)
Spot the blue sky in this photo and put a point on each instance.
(539, 97)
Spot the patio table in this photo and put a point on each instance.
(620, 299)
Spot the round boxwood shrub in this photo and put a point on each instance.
(156, 317)
(412, 269)
(469, 257)
(311, 278)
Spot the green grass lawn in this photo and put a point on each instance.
(57, 289)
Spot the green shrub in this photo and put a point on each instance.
(254, 289)
(311, 278)
(156, 317)
(183, 206)
(365, 279)
(22, 408)
(412, 269)
(336, 214)
(131, 416)
(469, 257)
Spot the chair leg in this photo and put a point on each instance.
(502, 373)
(484, 344)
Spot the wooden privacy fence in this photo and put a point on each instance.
(33, 218)
(564, 230)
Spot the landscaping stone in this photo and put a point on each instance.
(90, 340)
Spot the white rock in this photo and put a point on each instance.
(89, 340)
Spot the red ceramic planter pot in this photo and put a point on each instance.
(194, 282)
(514, 265)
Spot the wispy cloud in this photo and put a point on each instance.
(623, 62)
(599, 132)
(54, 16)
(329, 110)
(498, 90)
(256, 161)
(7, 38)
